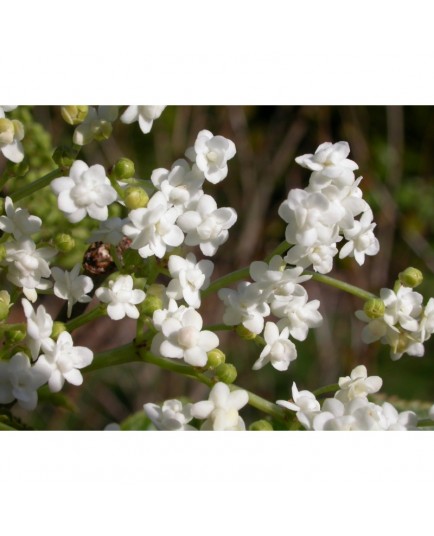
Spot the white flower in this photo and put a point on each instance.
(97, 124)
(319, 256)
(172, 415)
(244, 306)
(304, 403)
(181, 185)
(121, 298)
(426, 326)
(18, 222)
(403, 307)
(189, 277)
(11, 134)
(71, 286)
(361, 239)
(211, 154)
(39, 328)
(87, 190)
(297, 313)
(144, 114)
(109, 232)
(279, 351)
(182, 337)
(20, 381)
(221, 408)
(28, 267)
(357, 385)
(330, 164)
(311, 218)
(206, 225)
(152, 229)
(63, 361)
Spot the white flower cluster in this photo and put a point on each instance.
(219, 412)
(60, 360)
(405, 325)
(276, 290)
(324, 213)
(350, 408)
(179, 211)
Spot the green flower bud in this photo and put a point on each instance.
(74, 115)
(5, 303)
(411, 277)
(14, 336)
(226, 372)
(151, 304)
(123, 169)
(64, 156)
(64, 242)
(244, 333)
(261, 426)
(104, 131)
(374, 308)
(135, 197)
(215, 358)
(7, 131)
(58, 328)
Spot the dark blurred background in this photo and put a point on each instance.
(393, 147)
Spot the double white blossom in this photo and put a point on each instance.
(121, 298)
(181, 335)
(221, 409)
(279, 350)
(171, 416)
(71, 286)
(18, 222)
(28, 267)
(20, 380)
(63, 362)
(206, 225)
(153, 229)
(86, 191)
(211, 154)
(145, 115)
(39, 329)
(358, 384)
(188, 278)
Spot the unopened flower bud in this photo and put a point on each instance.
(58, 328)
(74, 115)
(261, 426)
(123, 169)
(411, 277)
(14, 336)
(135, 197)
(104, 131)
(374, 308)
(245, 333)
(226, 372)
(215, 358)
(64, 242)
(5, 303)
(151, 304)
(64, 156)
(6, 131)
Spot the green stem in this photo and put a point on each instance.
(346, 287)
(85, 318)
(327, 389)
(129, 353)
(36, 185)
(226, 280)
(115, 184)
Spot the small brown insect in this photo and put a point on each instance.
(97, 260)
